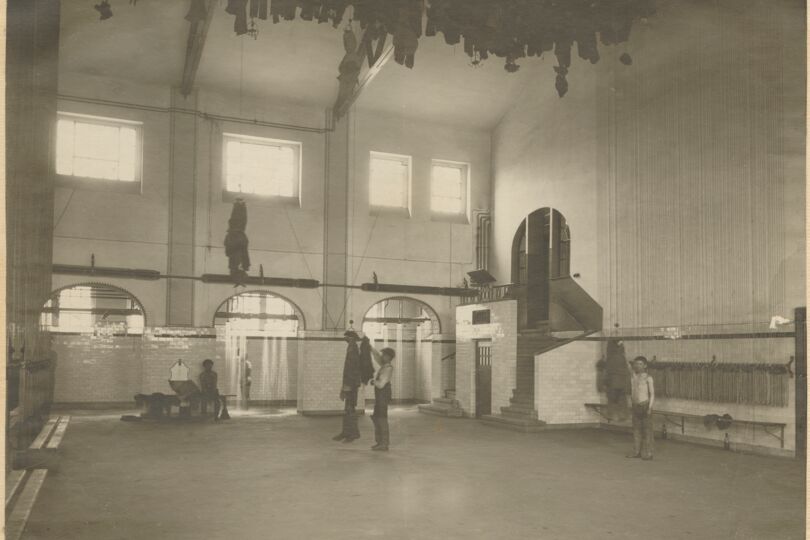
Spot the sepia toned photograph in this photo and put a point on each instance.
(405, 269)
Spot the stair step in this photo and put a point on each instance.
(450, 412)
(446, 401)
(515, 424)
(519, 412)
(450, 394)
(521, 405)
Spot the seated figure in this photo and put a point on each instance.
(208, 387)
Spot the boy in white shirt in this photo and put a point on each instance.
(642, 396)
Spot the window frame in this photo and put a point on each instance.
(230, 196)
(102, 184)
(403, 211)
(453, 217)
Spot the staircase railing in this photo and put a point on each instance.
(491, 294)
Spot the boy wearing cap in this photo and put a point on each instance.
(382, 396)
(642, 396)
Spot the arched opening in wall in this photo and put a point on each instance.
(406, 325)
(93, 308)
(541, 250)
(261, 353)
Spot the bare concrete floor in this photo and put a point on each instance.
(279, 476)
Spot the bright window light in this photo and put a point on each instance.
(389, 180)
(75, 305)
(262, 166)
(448, 192)
(259, 314)
(99, 148)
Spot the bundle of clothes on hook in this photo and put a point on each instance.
(508, 29)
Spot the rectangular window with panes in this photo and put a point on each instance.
(449, 185)
(390, 182)
(256, 166)
(96, 149)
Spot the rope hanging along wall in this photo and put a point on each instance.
(742, 383)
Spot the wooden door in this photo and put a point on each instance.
(483, 379)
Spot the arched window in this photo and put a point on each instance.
(93, 308)
(519, 255)
(408, 312)
(259, 313)
(541, 251)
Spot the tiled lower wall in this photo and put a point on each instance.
(566, 379)
(91, 369)
(102, 369)
(756, 350)
(501, 334)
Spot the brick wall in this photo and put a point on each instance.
(320, 371)
(162, 347)
(502, 332)
(443, 364)
(112, 369)
(565, 379)
(465, 376)
(96, 369)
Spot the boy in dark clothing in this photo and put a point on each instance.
(208, 388)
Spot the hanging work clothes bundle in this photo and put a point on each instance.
(258, 8)
(617, 376)
(352, 372)
(366, 367)
(236, 241)
(238, 8)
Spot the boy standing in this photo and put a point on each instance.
(382, 397)
(642, 396)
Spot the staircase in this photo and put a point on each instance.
(521, 415)
(446, 406)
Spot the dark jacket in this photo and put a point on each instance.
(352, 375)
(366, 367)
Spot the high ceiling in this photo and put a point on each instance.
(292, 61)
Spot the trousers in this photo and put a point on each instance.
(617, 403)
(382, 397)
(350, 429)
(642, 430)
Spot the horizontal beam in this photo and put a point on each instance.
(194, 47)
(100, 272)
(341, 108)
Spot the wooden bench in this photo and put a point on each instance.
(23, 485)
(774, 429)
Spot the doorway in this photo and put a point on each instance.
(483, 378)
